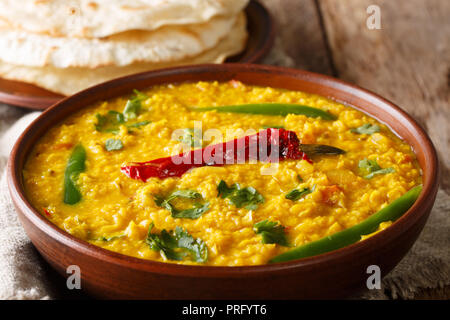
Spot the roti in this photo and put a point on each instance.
(168, 43)
(70, 80)
(92, 18)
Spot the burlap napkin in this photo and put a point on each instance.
(24, 275)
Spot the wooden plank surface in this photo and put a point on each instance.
(407, 60)
(300, 34)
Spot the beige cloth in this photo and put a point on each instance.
(24, 275)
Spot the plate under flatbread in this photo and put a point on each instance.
(260, 40)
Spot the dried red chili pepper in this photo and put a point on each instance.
(270, 145)
(47, 212)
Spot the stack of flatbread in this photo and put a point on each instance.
(68, 45)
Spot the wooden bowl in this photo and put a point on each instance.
(335, 274)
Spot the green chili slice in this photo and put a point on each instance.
(75, 165)
(351, 235)
(274, 109)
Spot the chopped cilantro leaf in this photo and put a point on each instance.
(370, 168)
(132, 109)
(178, 244)
(139, 95)
(107, 239)
(113, 144)
(240, 197)
(272, 127)
(271, 232)
(134, 105)
(224, 191)
(366, 129)
(296, 194)
(192, 213)
(109, 122)
(191, 138)
(381, 171)
(138, 124)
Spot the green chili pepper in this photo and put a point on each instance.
(74, 167)
(275, 109)
(351, 235)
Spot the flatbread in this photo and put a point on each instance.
(70, 80)
(100, 18)
(168, 43)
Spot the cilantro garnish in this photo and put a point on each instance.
(138, 124)
(370, 168)
(109, 122)
(224, 191)
(240, 197)
(178, 244)
(366, 129)
(190, 138)
(133, 106)
(271, 232)
(112, 120)
(296, 194)
(107, 239)
(139, 95)
(192, 213)
(132, 109)
(272, 127)
(113, 144)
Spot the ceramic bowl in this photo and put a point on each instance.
(335, 274)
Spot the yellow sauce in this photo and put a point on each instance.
(114, 205)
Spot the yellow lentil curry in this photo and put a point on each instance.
(300, 202)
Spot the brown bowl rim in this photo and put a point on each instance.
(430, 186)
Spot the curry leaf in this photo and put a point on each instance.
(271, 232)
(113, 144)
(178, 244)
(366, 129)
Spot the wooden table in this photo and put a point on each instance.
(407, 60)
